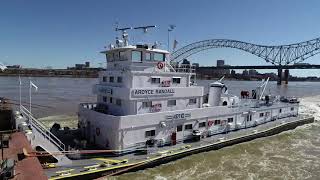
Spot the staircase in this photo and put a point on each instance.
(44, 138)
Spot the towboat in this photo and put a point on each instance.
(150, 111)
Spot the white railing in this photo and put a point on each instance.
(37, 125)
(184, 68)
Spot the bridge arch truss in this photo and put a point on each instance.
(277, 55)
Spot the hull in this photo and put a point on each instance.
(155, 161)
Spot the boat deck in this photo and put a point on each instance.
(102, 164)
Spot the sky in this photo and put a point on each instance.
(60, 33)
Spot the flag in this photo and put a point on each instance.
(175, 43)
(20, 80)
(33, 85)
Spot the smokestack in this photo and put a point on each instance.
(215, 92)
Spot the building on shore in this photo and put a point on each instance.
(86, 65)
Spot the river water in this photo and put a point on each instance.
(293, 154)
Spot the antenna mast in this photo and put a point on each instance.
(124, 36)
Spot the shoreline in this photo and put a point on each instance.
(96, 76)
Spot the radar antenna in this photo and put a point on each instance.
(145, 28)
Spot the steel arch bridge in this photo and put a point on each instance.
(277, 55)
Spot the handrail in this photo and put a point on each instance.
(42, 129)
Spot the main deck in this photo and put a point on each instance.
(99, 166)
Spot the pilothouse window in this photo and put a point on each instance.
(158, 57)
(122, 55)
(136, 56)
(110, 57)
(148, 56)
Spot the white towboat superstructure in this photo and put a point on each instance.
(144, 100)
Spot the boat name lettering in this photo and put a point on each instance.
(138, 92)
(178, 116)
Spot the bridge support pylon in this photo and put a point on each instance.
(279, 76)
(286, 76)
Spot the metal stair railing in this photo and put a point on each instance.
(42, 129)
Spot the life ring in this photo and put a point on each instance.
(160, 65)
(98, 131)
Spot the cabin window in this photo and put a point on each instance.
(136, 56)
(202, 124)
(217, 122)
(104, 99)
(110, 100)
(146, 104)
(280, 110)
(111, 79)
(292, 108)
(110, 57)
(150, 133)
(122, 55)
(230, 120)
(115, 56)
(118, 102)
(148, 56)
(193, 101)
(119, 79)
(261, 114)
(104, 78)
(158, 57)
(187, 126)
(172, 102)
(176, 80)
(179, 128)
(155, 80)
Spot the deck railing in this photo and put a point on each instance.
(184, 68)
(38, 126)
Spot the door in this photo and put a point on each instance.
(174, 138)
(179, 133)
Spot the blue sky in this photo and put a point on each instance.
(60, 33)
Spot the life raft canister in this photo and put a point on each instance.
(98, 131)
(160, 65)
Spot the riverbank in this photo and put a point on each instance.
(72, 73)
